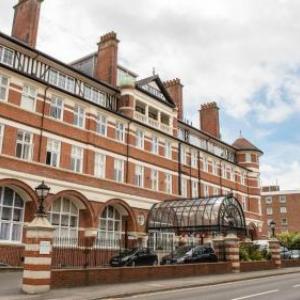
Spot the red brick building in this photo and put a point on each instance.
(282, 207)
(109, 145)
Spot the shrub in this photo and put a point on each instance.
(250, 252)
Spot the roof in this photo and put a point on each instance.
(216, 214)
(243, 144)
(140, 85)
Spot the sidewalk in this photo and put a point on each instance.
(10, 286)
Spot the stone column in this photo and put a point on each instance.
(232, 251)
(275, 252)
(38, 255)
(218, 245)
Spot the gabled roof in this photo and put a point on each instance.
(243, 144)
(162, 94)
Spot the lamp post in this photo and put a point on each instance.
(272, 226)
(42, 191)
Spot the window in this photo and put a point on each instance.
(244, 202)
(162, 241)
(94, 95)
(215, 191)
(100, 161)
(101, 124)
(283, 210)
(232, 174)
(184, 187)
(120, 131)
(109, 233)
(24, 145)
(119, 170)
(243, 178)
(194, 189)
(3, 87)
(6, 56)
(64, 216)
(268, 200)
(215, 167)
(11, 215)
(53, 153)
(269, 211)
(139, 176)
(194, 159)
(168, 183)
(62, 81)
(247, 157)
(168, 149)
(282, 199)
(56, 107)
(155, 145)
(76, 159)
(78, 116)
(183, 155)
(206, 190)
(154, 180)
(140, 139)
(1, 136)
(205, 164)
(28, 97)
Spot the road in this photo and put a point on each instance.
(283, 287)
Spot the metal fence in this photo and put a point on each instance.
(80, 253)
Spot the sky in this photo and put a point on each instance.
(243, 54)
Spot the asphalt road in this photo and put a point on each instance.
(283, 287)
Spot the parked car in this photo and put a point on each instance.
(295, 254)
(285, 253)
(135, 257)
(190, 254)
(176, 256)
(201, 254)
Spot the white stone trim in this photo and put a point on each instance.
(35, 289)
(37, 260)
(36, 274)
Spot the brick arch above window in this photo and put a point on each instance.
(132, 225)
(80, 201)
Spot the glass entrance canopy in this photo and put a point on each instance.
(198, 215)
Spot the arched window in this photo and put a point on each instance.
(11, 215)
(109, 233)
(64, 216)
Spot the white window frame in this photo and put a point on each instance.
(195, 189)
(26, 147)
(2, 128)
(206, 190)
(4, 87)
(100, 165)
(194, 159)
(155, 144)
(140, 139)
(183, 155)
(77, 159)
(139, 176)
(243, 178)
(269, 211)
(168, 149)
(282, 198)
(205, 164)
(154, 180)
(268, 199)
(57, 108)
(101, 124)
(28, 99)
(184, 187)
(168, 183)
(4, 56)
(118, 170)
(61, 80)
(53, 147)
(244, 203)
(79, 116)
(283, 210)
(120, 132)
(12, 223)
(214, 167)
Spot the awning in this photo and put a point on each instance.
(198, 215)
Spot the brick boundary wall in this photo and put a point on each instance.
(289, 263)
(93, 276)
(248, 266)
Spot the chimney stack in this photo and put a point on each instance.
(26, 21)
(209, 119)
(107, 58)
(174, 88)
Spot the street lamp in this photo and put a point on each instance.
(272, 226)
(42, 191)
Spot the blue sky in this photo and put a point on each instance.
(244, 54)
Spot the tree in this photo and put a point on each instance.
(290, 240)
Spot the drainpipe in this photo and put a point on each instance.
(127, 150)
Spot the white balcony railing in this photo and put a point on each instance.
(140, 117)
(153, 122)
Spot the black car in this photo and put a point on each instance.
(135, 257)
(201, 254)
(178, 256)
